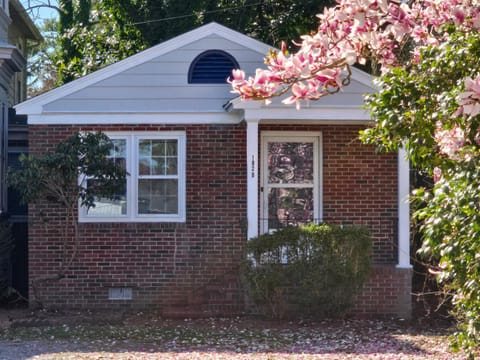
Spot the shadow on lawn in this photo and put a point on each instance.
(150, 337)
(385, 348)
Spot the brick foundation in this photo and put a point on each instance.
(388, 292)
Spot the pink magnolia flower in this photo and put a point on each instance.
(469, 100)
(353, 31)
(299, 92)
(450, 141)
(476, 21)
(437, 174)
(238, 80)
(238, 75)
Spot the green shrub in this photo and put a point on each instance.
(312, 270)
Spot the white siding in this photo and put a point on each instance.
(351, 95)
(161, 84)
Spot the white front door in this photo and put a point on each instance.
(290, 179)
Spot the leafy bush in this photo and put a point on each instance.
(312, 270)
(78, 171)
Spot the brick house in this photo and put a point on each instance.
(200, 184)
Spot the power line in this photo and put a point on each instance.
(203, 13)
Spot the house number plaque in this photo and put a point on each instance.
(253, 166)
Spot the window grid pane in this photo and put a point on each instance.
(158, 157)
(290, 162)
(157, 176)
(117, 204)
(157, 196)
(289, 206)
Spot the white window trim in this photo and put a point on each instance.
(132, 178)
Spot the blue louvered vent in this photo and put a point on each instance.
(212, 67)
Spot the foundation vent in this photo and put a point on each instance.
(120, 294)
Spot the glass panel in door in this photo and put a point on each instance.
(289, 182)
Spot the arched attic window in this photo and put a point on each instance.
(212, 67)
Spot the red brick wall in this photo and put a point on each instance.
(360, 187)
(191, 267)
(387, 292)
(164, 263)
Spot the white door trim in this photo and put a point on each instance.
(300, 136)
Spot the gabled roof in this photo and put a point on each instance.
(98, 99)
(35, 105)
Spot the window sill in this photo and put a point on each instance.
(140, 219)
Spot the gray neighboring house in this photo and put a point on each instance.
(17, 30)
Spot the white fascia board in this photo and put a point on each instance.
(35, 105)
(135, 118)
(355, 122)
(354, 114)
(238, 103)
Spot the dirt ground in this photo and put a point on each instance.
(43, 335)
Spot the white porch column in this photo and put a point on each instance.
(403, 210)
(252, 177)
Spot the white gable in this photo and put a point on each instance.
(152, 86)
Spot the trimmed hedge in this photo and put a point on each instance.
(313, 270)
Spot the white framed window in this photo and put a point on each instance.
(154, 189)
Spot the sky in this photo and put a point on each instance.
(41, 13)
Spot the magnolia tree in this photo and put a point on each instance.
(427, 53)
